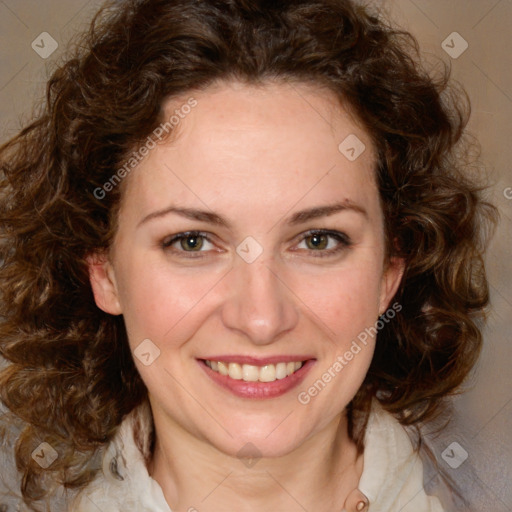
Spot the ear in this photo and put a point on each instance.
(103, 283)
(393, 273)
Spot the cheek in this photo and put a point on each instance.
(346, 300)
(158, 302)
(346, 303)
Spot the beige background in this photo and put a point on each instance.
(483, 427)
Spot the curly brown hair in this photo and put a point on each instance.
(71, 378)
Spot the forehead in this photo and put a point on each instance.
(259, 147)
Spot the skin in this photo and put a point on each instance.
(255, 156)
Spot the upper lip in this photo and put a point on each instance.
(258, 361)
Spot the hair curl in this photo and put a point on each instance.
(71, 377)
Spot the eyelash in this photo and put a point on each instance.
(343, 240)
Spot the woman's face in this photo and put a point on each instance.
(254, 170)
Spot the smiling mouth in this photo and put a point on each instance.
(252, 373)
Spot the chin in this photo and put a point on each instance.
(271, 437)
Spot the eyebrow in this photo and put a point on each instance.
(297, 218)
(324, 211)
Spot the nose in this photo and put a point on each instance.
(259, 305)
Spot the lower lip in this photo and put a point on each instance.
(259, 390)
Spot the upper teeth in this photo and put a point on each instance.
(251, 373)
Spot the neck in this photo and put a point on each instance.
(194, 475)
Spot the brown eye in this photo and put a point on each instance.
(317, 241)
(192, 242)
(324, 243)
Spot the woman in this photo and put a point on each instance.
(241, 253)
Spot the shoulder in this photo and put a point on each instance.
(124, 482)
(392, 476)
